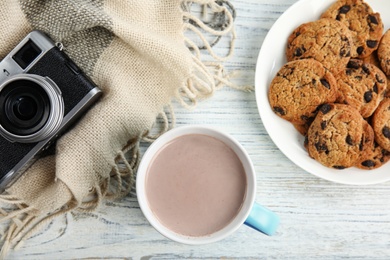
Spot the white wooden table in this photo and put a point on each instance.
(319, 219)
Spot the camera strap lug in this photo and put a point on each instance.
(60, 46)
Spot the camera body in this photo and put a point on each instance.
(42, 93)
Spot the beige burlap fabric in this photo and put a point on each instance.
(141, 55)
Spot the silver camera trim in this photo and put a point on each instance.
(8, 68)
(56, 109)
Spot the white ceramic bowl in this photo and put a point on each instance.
(271, 59)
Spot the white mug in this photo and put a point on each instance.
(251, 213)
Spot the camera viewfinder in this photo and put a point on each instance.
(27, 54)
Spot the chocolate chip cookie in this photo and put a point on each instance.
(384, 53)
(361, 85)
(381, 124)
(335, 136)
(375, 158)
(326, 40)
(365, 25)
(299, 88)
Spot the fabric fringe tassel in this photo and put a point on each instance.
(24, 220)
(207, 77)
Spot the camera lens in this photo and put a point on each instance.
(25, 107)
(31, 108)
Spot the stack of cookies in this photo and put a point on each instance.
(334, 87)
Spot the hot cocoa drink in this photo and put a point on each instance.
(195, 185)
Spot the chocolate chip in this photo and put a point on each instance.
(323, 125)
(339, 167)
(279, 111)
(373, 19)
(353, 64)
(317, 109)
(313, 81)
(365, 69)
(309, 121)
(360, 50)
(344, 53)
(321, 147)
(368, 96)
(344, 38)
(348, 72)
(375, 88)
(386, 132)
(379, 79)
(325, 108)
(298, 52)
(305, 118)
(325, 83)
(297, 34)
(344, 9)
(385, 152)
(372, 44)
(368, 163)
(290, 70)
(349, 140)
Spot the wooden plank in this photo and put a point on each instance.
(320, 219)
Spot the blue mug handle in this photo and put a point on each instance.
(263, 220)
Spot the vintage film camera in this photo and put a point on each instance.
(42, 92)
